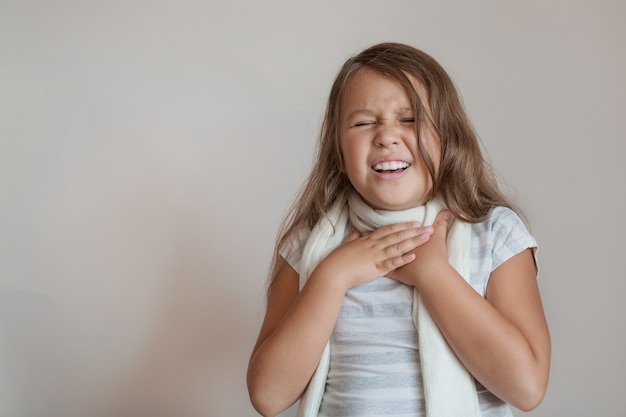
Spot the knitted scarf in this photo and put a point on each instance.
(449, 389)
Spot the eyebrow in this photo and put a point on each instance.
(367, 112)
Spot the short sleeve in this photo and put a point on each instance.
(510, 236)
(292, 249)
(494, 241)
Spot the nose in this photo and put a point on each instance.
(387, 136)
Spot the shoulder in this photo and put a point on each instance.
(291, 250)
(503, 235)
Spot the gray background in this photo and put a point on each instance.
(149, 149)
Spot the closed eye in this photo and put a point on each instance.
(408, 120)
(364, 123)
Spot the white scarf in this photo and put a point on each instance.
(449, 388)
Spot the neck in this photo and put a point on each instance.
(366, 218)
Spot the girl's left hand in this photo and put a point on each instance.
(429, 256)
(502, 339)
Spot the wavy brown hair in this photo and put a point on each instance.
(464, 180)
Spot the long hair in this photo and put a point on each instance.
(464, 180)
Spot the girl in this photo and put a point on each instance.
(403, 283)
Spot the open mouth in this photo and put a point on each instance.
(391, 166)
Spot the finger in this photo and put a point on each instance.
(391, 229)
(394, 263)
(409, 242)
(403, 234)
(354, 235)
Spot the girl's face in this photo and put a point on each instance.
(379, 142)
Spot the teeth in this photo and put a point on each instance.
(391, 166)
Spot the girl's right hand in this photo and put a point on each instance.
(365, 257)
(299, 322)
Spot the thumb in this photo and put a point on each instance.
(442, 221)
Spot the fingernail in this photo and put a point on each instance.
(446, 215)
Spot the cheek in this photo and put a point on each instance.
(349, 154)
(433, 148)
(427, 180)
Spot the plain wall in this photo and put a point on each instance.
(149, 150)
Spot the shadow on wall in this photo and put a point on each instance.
(174, 351)
(117, 298)
(192, 361)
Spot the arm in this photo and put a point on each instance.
(298, 324)
(503, 339)
(292, 339)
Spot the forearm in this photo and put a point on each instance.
(282, 365)
(493, 348)
(298, 324)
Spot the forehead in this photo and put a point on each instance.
(368, 87)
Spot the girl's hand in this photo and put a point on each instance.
(299, 322)
(428, 256)
(365, 257)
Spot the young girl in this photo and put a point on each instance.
(403, 282)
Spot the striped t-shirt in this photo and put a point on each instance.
(375, 366)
